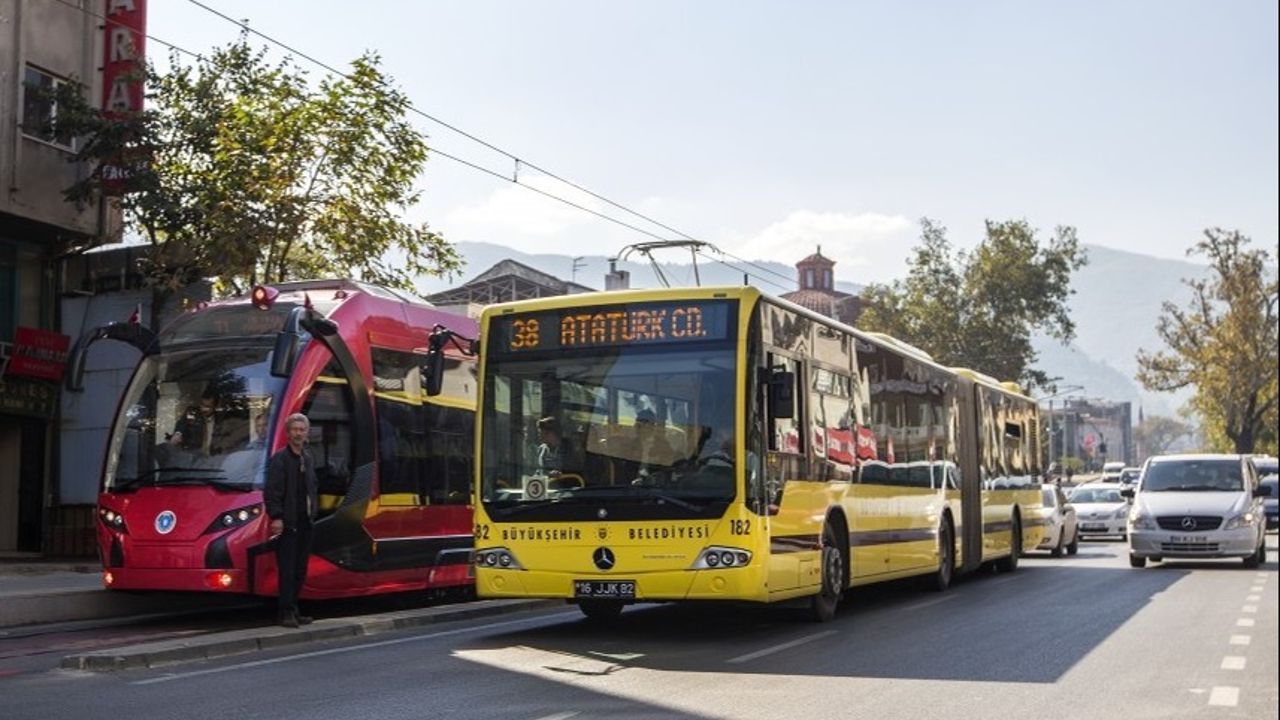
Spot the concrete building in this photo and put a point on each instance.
(1095, 431)
(506, 281)
(42, 46)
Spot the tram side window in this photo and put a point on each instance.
(446, 475)
(328, 407)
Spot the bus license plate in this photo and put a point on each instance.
(605, 589)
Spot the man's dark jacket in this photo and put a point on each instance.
(287, 490)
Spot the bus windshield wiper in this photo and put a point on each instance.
(151, 478)
(639, 491)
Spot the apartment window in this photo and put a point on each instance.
(40, 106)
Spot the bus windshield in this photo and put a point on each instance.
(195, 417)
(633, 432)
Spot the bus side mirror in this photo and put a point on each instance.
(285, 354)
(75, 368)
(782, 395)
(433, 372)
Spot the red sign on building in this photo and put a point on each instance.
(38, 354)
(125, 34)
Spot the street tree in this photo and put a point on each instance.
(1224, 344)
(979, 309)
(245, 171)
(1156, 434)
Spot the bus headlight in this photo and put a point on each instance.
(721, 557)
(233, 519)
(498, 559)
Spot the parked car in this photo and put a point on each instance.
(1059, 521)
(1267, 477)
(1197, 506)
(1100, 510)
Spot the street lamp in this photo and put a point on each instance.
(1054, 456)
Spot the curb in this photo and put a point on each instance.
(52, 606)
(236, 642)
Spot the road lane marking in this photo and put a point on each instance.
(1233, 662)
(1241, 639)
(351, 648)
(560, 716)
(1244, 622)
(1227, 696)
(779, 648)
(1249, 609)
(1256, 589)
(1253, 598)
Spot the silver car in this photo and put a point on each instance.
(1197, 506)
(1100, 510)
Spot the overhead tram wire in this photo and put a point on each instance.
(466, 163)
(509, 155)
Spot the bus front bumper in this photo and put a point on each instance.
(739, 583)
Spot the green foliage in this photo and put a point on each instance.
(979, 309)
(1224, 343)
(1156, 434)
(246, 171)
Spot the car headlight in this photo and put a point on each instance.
(1142, 521)
(1121, 513)
(1243, 520)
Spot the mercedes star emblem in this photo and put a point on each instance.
(1188, 523)
(603, 558)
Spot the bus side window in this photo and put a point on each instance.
(328, 407)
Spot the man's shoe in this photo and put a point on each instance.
(290, 621)
(304, 619)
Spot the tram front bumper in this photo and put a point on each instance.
(737, 583)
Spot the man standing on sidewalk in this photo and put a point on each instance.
(291, 499)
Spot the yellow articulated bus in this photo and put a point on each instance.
(722, 444)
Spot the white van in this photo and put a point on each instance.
(1197, 506)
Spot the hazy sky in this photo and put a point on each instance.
(770, 127)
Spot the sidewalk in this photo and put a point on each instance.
(34, 591)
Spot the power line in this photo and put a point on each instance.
(513, 157)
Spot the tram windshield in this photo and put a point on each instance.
(195, 417)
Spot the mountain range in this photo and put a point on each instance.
(1116, 302)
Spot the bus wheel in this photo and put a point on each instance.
(823, 605)
(601, 610)
(1136, 561)
(1009, 564)
(941, 579)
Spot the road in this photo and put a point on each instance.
(1083, 637)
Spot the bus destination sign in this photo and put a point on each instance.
(613, 325)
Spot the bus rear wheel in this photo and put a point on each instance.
(1009, 564)
(822, 607)
(601, 610)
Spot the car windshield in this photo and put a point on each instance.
(1084, 496)
(1208, 475)
(1129, 476)
(195, 417)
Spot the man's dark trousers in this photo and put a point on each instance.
(292, 550)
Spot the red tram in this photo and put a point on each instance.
(181, 504)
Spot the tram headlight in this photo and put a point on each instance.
(113, 520)
(234, 519)
(721, 557)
